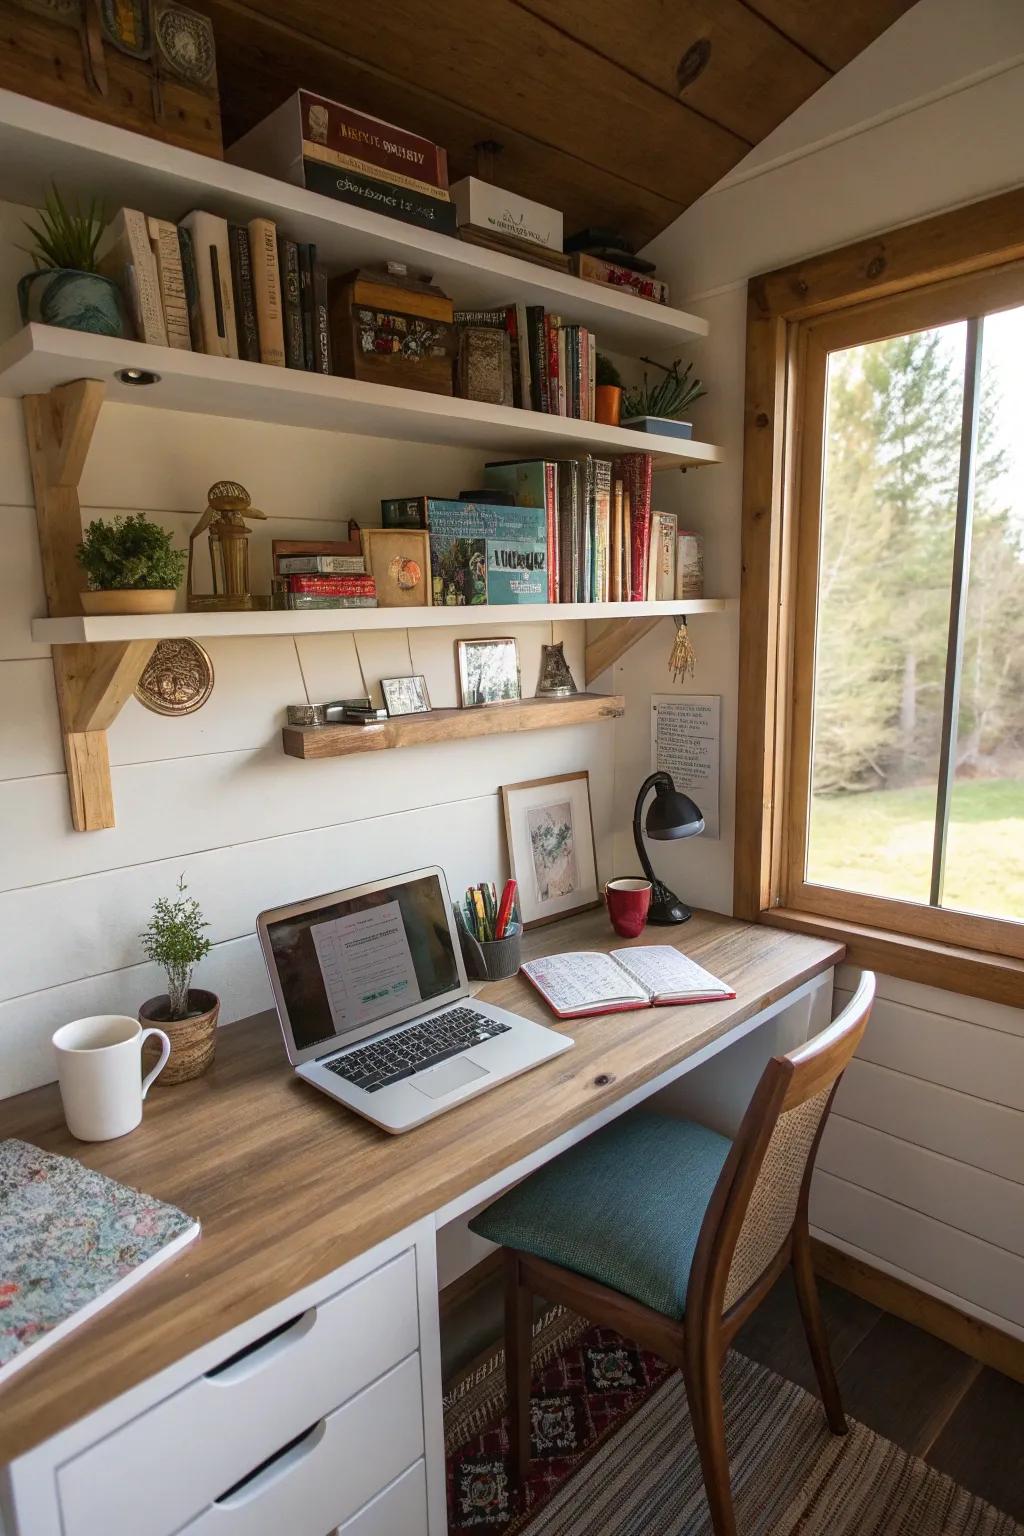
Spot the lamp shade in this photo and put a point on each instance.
(672, 814)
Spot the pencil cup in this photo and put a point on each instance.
(494, 960)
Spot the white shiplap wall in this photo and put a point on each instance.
(922, 1170)
(213, 796)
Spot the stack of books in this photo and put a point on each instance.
(336, 150)
(320, 574)
(229, 290)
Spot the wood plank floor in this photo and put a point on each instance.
(937, 1403)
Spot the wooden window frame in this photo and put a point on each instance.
(794, 316)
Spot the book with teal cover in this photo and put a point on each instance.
(487, 553)
(71, 1241)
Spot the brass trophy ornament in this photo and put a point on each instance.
(224, 522)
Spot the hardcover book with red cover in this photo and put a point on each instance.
(635, 472)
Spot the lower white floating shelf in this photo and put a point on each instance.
(84, 628)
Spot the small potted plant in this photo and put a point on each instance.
(66, 289)
(188, 1016)
(131, 566)
(607, 392)
(659, 408)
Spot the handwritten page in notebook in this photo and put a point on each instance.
(583, 979)
(662, 971)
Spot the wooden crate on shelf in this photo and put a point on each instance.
(391, 330)
(150, 67)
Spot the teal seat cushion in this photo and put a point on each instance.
(623, 1207)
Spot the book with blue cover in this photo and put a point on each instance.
(71, 1242)
(487, 553)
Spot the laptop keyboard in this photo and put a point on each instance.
(415, 1048)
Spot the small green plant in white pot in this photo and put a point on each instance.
(176, 940)
(659, 407)
(131, 566)
(66, 289)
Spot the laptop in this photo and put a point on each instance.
(375, 1008)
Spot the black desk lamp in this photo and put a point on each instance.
(671, 814)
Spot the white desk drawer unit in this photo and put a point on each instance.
(165, 1467)
(332, 1471)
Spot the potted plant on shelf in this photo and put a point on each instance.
(131, 566)
(608, 392)
(176, 941)
(660, 408)
(66, 289)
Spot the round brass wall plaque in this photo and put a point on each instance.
(178, 678)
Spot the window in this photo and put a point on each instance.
(880, 750)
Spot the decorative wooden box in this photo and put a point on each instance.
(147, 65)
(391, 330)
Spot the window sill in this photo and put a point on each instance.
(997, 978)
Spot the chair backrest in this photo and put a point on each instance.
(767, 1175)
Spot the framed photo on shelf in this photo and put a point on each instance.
(398, 559)
(488, 672)
(550, 835)
(405, 695)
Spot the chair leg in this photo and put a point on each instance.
(814, 1327)
(518, 1341)
(703, 1378)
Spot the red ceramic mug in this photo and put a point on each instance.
(629, 902)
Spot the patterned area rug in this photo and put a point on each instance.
(613, 1454)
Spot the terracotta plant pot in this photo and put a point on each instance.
(130, 600)
(193, 1040)
(608, 404)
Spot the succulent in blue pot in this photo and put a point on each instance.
(66, 289)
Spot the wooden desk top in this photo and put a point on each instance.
(289, 1186)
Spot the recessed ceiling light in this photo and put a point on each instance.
(136, 376)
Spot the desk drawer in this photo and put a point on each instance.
(335, 1469)
(400, 1510)
(149, 1478)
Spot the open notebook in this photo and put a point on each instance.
(71, 1240)
(598, 981)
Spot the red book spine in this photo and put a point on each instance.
(355, 133)
(551, 506)
(333, 586)
(635, 471)
(551, 328)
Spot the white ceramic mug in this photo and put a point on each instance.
(99, 1066)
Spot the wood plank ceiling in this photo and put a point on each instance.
(619, 112)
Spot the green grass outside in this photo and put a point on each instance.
(881, 842)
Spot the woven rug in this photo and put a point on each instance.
(613, 1454)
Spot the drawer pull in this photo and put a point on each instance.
(276, 1467)
(255, 1356)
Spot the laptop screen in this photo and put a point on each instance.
(360, 958)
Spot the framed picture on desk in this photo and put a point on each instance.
(550, 835)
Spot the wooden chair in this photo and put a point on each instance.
(673, 1235)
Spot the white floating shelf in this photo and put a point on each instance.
(39, 357)
(40, 144)
(318, 621)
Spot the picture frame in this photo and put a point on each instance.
(405, 695)
(488, 672)
(549, 829)
(398, 559)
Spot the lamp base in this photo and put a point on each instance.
(666, 907)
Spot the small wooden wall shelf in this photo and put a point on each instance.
(451, 725)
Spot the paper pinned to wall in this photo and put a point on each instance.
(686, 743)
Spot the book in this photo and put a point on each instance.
(332, 586)
(213, 278)
(602, 528)
(568, 529)
(320, 565)
(584, 584)
(532, 483)
(536, 341)
(661, 571)
(585, 982)
(635, 471)
(349, 546)
(404, 512)
(510, 318)
(127, 257)
(592, 269)
(321, 321)
(291, 302)
(487, 553)
(245, 302)
(71, 1242)
(163, 239)
(307, 258)
(381, 196)
(508, 245)
(507, 214)
(689, 565)
(266, 285)
(300, 600)
(188, 269)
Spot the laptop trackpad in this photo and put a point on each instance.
(435, 1082)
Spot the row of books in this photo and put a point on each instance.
(229, 290)
(553, 365)
(588, 539)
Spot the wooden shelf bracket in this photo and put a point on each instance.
(92, 681)
(609, 639)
